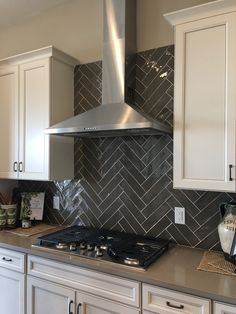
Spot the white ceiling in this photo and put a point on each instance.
(14, 11)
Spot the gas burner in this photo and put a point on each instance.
(110, 246)
(61, 245)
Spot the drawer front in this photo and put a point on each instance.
(12, 260)
(222, 308)
(164, 301)
(99, 284)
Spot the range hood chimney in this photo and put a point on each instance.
(114, 117)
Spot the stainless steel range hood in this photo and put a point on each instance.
(114, 117)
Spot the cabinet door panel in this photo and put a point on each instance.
(204, 127)
(34, 118)
(9, 121)
(12, 292)
(94, 305)
(45, 297)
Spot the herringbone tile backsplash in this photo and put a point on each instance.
(125, 183)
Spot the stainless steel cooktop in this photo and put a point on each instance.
(100, 244)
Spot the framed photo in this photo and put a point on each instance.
(32, 204)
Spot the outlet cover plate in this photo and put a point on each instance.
(56, 202)
(180, 215)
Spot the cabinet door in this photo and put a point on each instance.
(12, 292)
(204, 109)
(9, 121)
(45, 297)
(34, 118)
(221, 308)
(89, 304)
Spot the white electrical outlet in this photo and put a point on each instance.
(56, 202)
(180, 215)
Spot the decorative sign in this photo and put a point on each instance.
(32, 205)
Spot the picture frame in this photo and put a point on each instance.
(32, 205)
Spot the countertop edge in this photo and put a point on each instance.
(145, 277)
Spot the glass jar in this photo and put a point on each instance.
(227, 227)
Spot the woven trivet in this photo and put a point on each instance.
(216, 263)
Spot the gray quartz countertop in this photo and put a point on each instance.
(176, 269)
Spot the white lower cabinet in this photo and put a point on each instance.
(45, 297)
(12, 282)
(12, 292)
(165, 301)
(222, 308)
(59, 288)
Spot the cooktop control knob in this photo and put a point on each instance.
(104, 247)
(99, 252)
(73, 247)
(82, 245)
(90, 247)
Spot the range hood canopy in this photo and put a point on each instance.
(114, 117)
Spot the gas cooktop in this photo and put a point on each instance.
(116, 247)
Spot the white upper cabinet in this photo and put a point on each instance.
(205, 96)
(36, 91)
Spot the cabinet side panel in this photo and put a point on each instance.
(62, 93)
(205, 104)
(62, 107)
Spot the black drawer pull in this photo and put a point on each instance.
(21, 166)
(7, 259)
(15, 166)
(230, 172)
(78, 308)
(179, 307)
(69, 309)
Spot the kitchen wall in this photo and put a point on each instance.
(120, 183)
(6, 187)
(126, 183)
(75, 27)
(153, 30)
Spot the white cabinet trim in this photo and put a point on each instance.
(202, 11)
